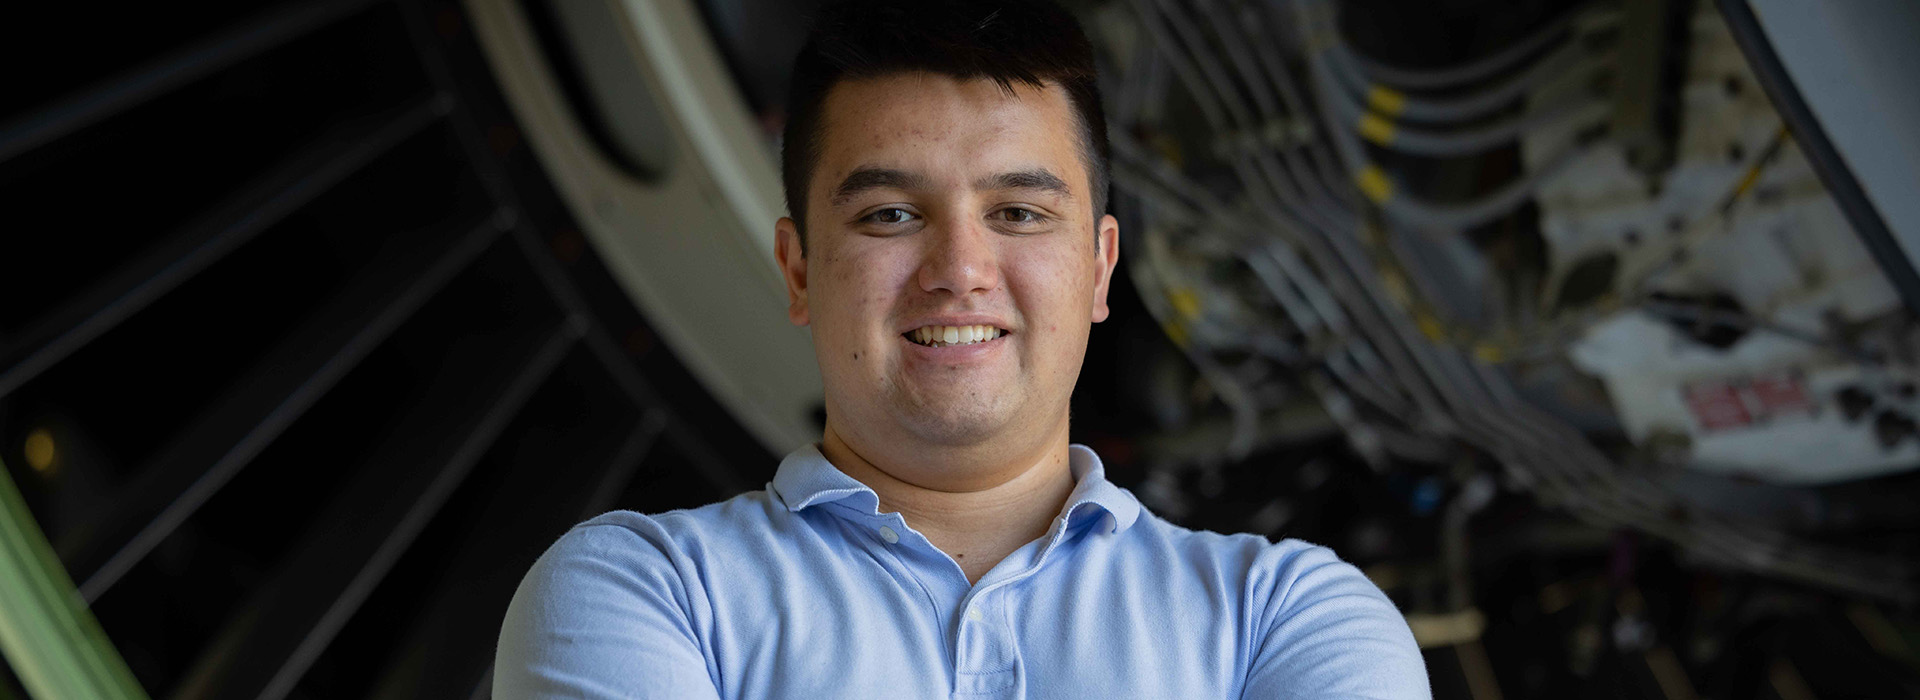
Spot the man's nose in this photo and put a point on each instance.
(961, 259)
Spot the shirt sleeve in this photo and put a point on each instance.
(1329, 632)
(602, 614)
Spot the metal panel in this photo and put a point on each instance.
(708, 249)
(724, 476)
(1841, 75)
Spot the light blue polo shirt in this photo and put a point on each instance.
(806, 591)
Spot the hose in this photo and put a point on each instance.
(1476, 70)
(1451, 395)
(1385, 192)
(1475, 140)
(1397, 105)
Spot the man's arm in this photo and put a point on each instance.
(602, 614)
(1330, 633)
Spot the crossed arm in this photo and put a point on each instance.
(603, 614)
(607, 613)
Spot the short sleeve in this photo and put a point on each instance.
(604, 613)
(1328, 632)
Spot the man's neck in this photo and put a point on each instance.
(977, 527)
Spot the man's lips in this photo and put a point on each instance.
(952, 356)
(954, 329)
(937, 336)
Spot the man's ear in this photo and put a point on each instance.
(793, 267)
(1105, 258)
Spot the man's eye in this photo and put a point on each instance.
(1019, 216)
(889, 216)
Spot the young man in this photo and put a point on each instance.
(945, 168)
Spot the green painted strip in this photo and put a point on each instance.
(48, 636)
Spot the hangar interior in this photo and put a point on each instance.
(1587, 329)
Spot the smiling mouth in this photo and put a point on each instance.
(942, 336)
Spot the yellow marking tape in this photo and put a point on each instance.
(1186, 302)
(1376, 128)
(1431, 328)
(1386, 100)
(1374, 184)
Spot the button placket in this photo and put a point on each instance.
(986, 661)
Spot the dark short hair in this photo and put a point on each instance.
(1006, 41)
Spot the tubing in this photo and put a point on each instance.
(1473, 71)
(1469, 141)
(1394, 104)
(1449, 394)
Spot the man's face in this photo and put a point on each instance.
(953, 265)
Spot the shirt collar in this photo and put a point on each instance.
(806, 479)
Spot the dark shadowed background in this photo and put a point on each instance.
(320, 320)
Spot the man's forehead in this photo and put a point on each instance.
(966, 129)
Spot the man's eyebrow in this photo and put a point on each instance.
(1035, 179)
(865, 179)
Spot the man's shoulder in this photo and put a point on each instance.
(1301, 598)
(745, 507)
(1246, 548)
(1274, 567)
(741, 515)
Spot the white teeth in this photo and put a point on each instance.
(938, 336)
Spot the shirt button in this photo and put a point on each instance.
(887, 533)
(973, 614)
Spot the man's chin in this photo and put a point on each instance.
(956, 427)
